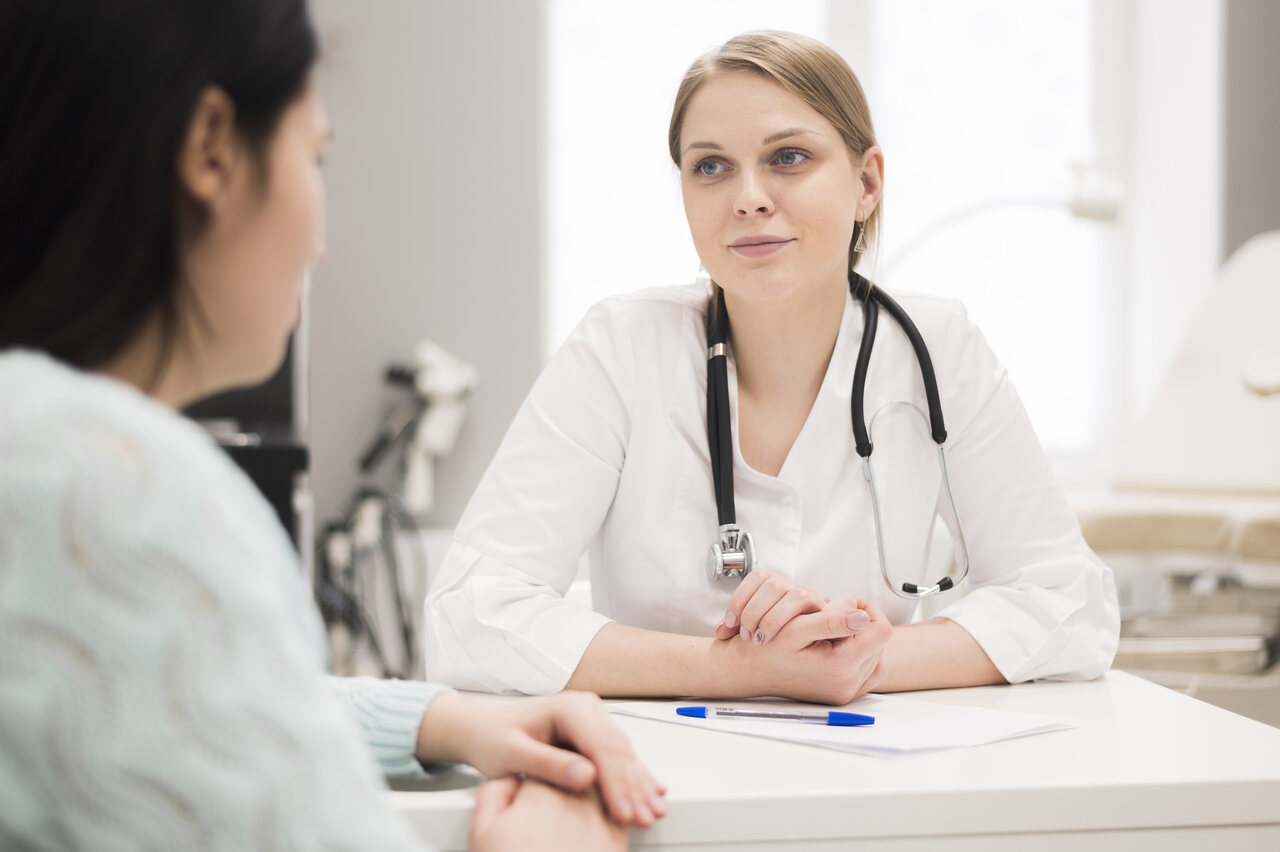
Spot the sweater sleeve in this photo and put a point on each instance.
(388, 714)
(162, 680)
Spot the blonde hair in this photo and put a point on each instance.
(806, 68)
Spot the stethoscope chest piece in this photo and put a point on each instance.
(734, 555)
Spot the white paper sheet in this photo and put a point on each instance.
(903, 726)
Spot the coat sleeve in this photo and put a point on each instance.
(1041, 603)
(496, 615)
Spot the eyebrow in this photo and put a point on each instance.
(768, 140)
(785, 134)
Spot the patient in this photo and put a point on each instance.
(162, 671)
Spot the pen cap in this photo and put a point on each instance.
(848, 720)
(697, 712)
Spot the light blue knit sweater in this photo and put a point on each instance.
(162, 666)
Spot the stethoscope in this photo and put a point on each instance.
(734, 555)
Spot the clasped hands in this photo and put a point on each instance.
(577, 774)
(798, 644)
(565, 773)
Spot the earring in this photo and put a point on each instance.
(860, 244)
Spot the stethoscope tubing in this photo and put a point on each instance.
(719, 426)
(720, 437)
(870, 308)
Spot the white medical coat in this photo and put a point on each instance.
(608, 455)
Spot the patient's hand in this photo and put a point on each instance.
(529, 815)
(567, 739)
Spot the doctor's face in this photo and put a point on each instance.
(770, 189)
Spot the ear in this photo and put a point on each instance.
(208, 156)
(872, 175)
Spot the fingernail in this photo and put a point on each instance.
(731, 619)
(578, 773)
(759, 636)
(857, 619)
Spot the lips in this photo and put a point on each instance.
(757, 241)
(759, 246)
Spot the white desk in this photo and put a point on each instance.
(1149, 768)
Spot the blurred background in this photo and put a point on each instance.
(489, 155)
(1075, 171)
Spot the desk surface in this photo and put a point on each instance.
(1147, 768)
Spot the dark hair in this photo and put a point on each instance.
(96, 97)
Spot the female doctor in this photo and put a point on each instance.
(612, 452)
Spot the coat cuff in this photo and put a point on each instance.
(1034, 634)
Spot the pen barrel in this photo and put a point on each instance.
(834, 718)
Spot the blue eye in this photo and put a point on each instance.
(709, 168)
(791, 157)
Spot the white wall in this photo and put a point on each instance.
(435, 211)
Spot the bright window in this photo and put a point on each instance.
(981, 108)
(616, 222)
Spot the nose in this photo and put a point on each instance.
(753, 195)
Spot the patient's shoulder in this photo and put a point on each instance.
(98, 481)
(77, 449)
(50, 412)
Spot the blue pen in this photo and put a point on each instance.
(844, 720)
